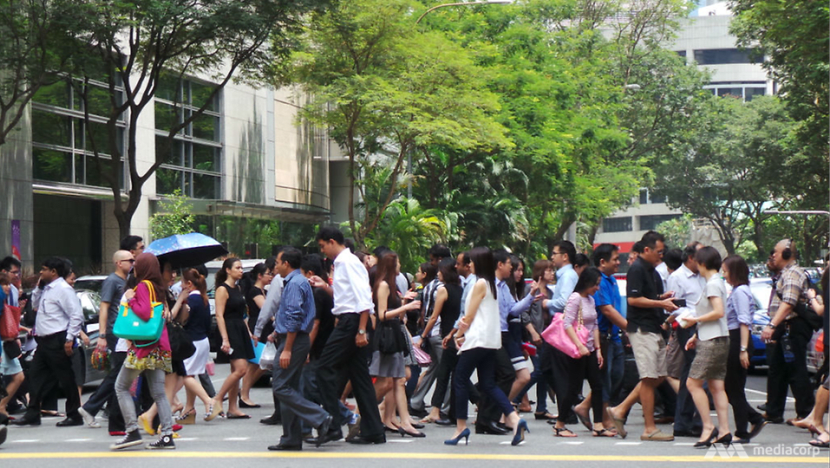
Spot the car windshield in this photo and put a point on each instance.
(88, 285)
(90, 301)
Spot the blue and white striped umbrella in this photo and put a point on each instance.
(186, 250)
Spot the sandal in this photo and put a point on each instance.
(582, 418)
(603, 433)
(544, 416)
(428, 420)
(214, 411)
(188, 417)
(563, 432)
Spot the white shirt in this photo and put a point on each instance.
(686, 284)
(271, 305)
(352, 293)
(663, 270)
(59, 311)
(485, 331)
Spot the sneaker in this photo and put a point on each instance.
(88, 418)
(132, 439)
(164, 442)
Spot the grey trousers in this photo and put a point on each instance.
(155, 380)
(286, 385)
(428, 378)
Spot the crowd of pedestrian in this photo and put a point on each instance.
(351, 324)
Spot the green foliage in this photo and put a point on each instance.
(173, 217)
(677, 231)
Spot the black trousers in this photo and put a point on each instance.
(576, 370)
(105, 394)
(442, 380)
(489, 410)
(782, 373)
(735, 384)
(52, 368)
(343, 361)
(686, 418)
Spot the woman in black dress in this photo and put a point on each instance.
(255, 298)
(236, 339)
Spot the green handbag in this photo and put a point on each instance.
(130, 326)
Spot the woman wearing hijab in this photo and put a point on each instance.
(152, 360)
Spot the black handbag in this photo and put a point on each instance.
(389, 337)
(181, 346)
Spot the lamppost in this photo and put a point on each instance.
(488, 2)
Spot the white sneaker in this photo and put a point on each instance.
(88, 418)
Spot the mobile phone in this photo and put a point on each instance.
(679, 302)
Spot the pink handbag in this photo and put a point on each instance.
(556, 336)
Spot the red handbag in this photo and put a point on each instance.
(10, 323)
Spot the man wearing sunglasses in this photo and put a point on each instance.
(111, 291)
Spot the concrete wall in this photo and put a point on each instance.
(16, 191)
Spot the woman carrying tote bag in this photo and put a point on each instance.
(153, 359)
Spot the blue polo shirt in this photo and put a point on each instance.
(608, 294)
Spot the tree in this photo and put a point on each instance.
(140, 44)
(173, 217)
(36, 47)
(383, 88)
(677, 231)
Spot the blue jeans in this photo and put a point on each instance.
(541, 384)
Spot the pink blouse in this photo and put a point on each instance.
(589, 316)
(140, 304)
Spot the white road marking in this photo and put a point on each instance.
(78, 440)
(507, 442)
(629, 443)
(236, 439)
(399, 441)
(186, 439)
(763, 393)
(25, 441)
(571, 443)
(684, 444)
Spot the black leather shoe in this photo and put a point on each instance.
(418, 413)
(270, 421)
(443, 422)
(68, 422)
(773, 420)
(287, 448)
(360, 440)
(323, 432)
(26, 422)
(489, 427)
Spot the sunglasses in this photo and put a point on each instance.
(132, 260)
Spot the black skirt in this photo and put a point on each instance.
(240, 339)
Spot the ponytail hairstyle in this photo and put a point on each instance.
(485, 267)
(193, 276)
(250, 277)
(222, 274)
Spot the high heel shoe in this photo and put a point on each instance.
(708, 442)
(146, 425)
(393, 430)
(465, 434)
(521, 428)
(415, 434)
(215, 410)
(187, 418)
(726, 440)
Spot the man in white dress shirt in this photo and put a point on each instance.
(59, 321)
(346, 355)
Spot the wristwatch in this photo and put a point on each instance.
(361, 332)
(771, 325)
(743, 348)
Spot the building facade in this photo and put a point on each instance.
(256, 173)
(704, 40)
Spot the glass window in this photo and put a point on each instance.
(617, 224)
(206, 127)
(169, 153)
(56, 94)
(51, 165)
(643, 196)
(199, 94)
(98, 100)
(168, 180)
(206, 186)
(750, 93)
(205, 158)
(166, 116)
(51, 129)
(722, 56)
(733, 92)
(648, 223)
(658, 198)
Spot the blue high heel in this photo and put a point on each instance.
(520, 432)
(465, 434)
